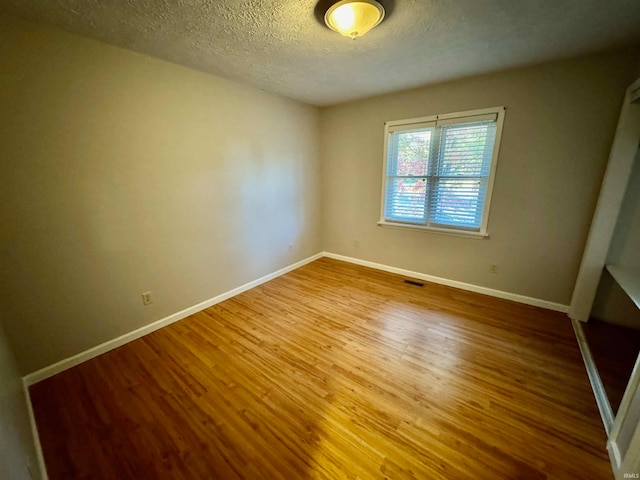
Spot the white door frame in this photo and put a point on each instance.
(626, 426)
(627, 462)
(614, 185)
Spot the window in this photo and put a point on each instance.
(438, 171)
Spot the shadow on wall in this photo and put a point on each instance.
(271, 199)
(612, 304)
(625, 245)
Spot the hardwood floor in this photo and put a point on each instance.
(333, 371)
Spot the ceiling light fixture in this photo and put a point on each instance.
(354, 18)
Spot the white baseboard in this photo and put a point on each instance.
(536, 302)
(81, 357)
(93, 352)
(34, 434)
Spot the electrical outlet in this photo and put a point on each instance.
(493, 268)
(291, 247)
(146, 298)
(356, 243)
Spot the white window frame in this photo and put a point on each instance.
(456, 231)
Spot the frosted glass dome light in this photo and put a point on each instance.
(354, 18)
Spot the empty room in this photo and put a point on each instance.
(302, 239)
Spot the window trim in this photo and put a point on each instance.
(455, 231)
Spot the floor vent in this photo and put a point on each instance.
(413, 282)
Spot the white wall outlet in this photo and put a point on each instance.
(291, 247)
(146, 298)
(493, 268)
(356, 243)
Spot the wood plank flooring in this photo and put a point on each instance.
(333, 371)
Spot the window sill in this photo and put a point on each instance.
(440, 231)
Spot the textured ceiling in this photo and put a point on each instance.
(282, 47)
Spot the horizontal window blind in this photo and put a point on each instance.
(460, 183)
(407, 171)
(437, 173)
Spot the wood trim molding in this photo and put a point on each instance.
(594, 378)
(93, 352)
(536, 302)
(34, 434)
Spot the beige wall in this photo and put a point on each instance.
(16, 444)
(122, 173)
(558, 130)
